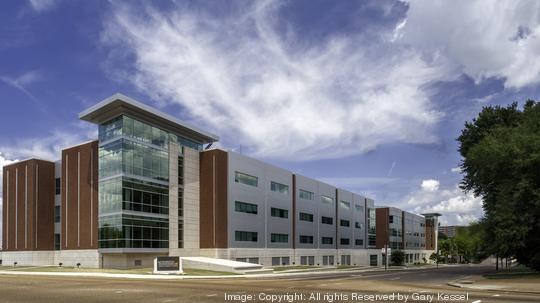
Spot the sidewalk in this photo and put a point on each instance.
(298, 273)
(530, 285)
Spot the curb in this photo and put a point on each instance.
(457, 285)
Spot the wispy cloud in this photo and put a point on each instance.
(21, 82)
(49, 146)
(240, 75)
(42, 5)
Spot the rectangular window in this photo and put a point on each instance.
(358, 225)
(58, 184)
(373, 260)
(327, 200)
(345, 223)
(279, 238)
(304, 194)
(359, 242)
(278, 212)
(327, 220)
(372, 240)
(359, 208)
(306, 217)
(244, 207)
(391, 219)
(57, 241)
(246, 179)
(344, 241)
(245, 236)
(57, 214)
(278, 187)
(306, 239)
(345, 204)
(327, 240)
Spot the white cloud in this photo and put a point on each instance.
(430, 185)
(49, 147)
(485, 38)
(42, 5)
(239, 76)
(456, 206)
(456, 170)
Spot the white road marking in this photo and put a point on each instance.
(423, 291)
(496, 295)
(322, 284)
(477, 301)
(396, 278)
(211, 295)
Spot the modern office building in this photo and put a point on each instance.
(148, 187)
(402, 230)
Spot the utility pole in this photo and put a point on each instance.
(438, 251)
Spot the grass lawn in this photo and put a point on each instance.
(293, 267)
(137, 271)
(513, 273)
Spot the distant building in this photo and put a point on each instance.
(402, 230)
(451, 231)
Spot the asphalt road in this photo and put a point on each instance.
(422, 282)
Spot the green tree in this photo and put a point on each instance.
(501, 164)
(397, 257)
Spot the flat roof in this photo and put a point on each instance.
(118, 104)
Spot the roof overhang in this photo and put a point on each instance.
(431, 215)
(119, 104)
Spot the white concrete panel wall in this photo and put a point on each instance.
(191, 202)
(87, 258)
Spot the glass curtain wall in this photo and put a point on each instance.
(134, 184)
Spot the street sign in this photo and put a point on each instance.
(383, 250)
(167, 265)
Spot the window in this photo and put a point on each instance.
(359, 242)
(344, 223)
(58, 184)
(279, 238)
(345, 204)
(391, 219)
(244, 207)
(327, 200)
(359, 208)
(278, 212)
(245, 236)
(306, 239)
(246, 179)
(344, 241)
(57, 214)
(358, 225)
(281, 188)
(306, 217)
(373, 260)
(57, 241)
(327, 240)
(304, 194)
(372, 240)
(327, 220)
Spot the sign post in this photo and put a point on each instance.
(386, 251)
(168, 266)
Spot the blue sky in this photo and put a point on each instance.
(366, 95)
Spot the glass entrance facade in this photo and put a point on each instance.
(134, 184)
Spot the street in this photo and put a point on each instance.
(417, 284)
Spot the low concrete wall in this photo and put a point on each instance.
(87, 258)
